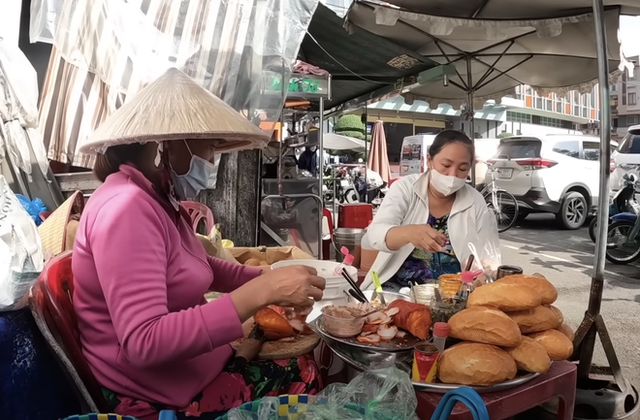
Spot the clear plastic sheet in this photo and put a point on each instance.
(21, 255)
(385, 394)
(44, 20)
(237, 49)
(486, 258)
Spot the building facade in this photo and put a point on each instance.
(625, 105)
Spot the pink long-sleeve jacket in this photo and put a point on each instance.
(140, 276)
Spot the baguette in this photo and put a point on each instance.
(530, 356)
(485, 325)
(540, 318)
(548, 292)
(506, 296)
(475, 365)
(558, 346)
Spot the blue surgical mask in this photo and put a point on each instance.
(201, 175)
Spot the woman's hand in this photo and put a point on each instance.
(425, 237)
(296, 286)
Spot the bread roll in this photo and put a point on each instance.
(485, 325)
(558, 346)
(252, 262)
(548, 292)
(558, 313)
(567, 331)
(540, 318)
(476, 365)
(530, 356)
(505, 296)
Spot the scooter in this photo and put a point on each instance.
(620, 203)
(623, 235)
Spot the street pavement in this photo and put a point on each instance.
(566, 258)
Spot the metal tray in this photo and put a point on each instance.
(436, 387)
(395, 345)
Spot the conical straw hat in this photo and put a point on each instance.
(174, 107)
(53, 231)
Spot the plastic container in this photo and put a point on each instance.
(368, 255)
(440, 334)
(341, 327)
(336, 284)
(350, 238)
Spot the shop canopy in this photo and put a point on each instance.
(360, 62)
(487, 48)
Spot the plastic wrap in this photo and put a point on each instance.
(21, 254)
(487, 258)
(238, 49)
(44, 20)
(385, 394)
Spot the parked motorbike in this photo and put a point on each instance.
(339, 182)
(373, 190)
(623, 235)
(620, 203)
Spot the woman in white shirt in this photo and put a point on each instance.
(426, 221)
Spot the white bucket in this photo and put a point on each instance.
(336, 284)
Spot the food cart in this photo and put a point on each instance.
(615, 398)
(287, 200)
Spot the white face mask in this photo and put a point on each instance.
(445, 184)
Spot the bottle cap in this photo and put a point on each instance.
(468, 276)
(441, 329)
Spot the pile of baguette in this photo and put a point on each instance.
(508, 326)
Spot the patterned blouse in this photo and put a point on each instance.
(423, 267)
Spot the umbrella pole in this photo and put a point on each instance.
(320, 173)
(471, 113)
(593, 322)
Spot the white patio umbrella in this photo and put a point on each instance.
(333, 141)
(485, 57)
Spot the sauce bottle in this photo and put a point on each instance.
(440, 334)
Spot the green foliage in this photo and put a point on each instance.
(350, 125)
(504, 135)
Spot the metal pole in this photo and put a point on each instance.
(471, 112)
(597, 281)
(320, 173)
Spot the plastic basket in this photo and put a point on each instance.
(292, 405)
(164, 415)
(100, 417)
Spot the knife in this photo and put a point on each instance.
(248, 349)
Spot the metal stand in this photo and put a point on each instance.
(593, 323)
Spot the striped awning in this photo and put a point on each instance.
(107, 50)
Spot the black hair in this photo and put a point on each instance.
(109, 162)
(447, 137)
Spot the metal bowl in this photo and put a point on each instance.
(362, 354)
(388, 296)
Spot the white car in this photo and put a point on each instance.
(626, 158)
(556, 174)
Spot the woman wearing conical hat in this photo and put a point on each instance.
(150, 338)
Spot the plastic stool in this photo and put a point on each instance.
(558, 382)
(197, 212)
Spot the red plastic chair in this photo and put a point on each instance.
(197, 212)
(52, 307)
(391, 181)
(559, 382)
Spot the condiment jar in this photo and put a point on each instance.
(440, 334)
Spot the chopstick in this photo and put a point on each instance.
(353, 284)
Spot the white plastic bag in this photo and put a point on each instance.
(21, 254)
